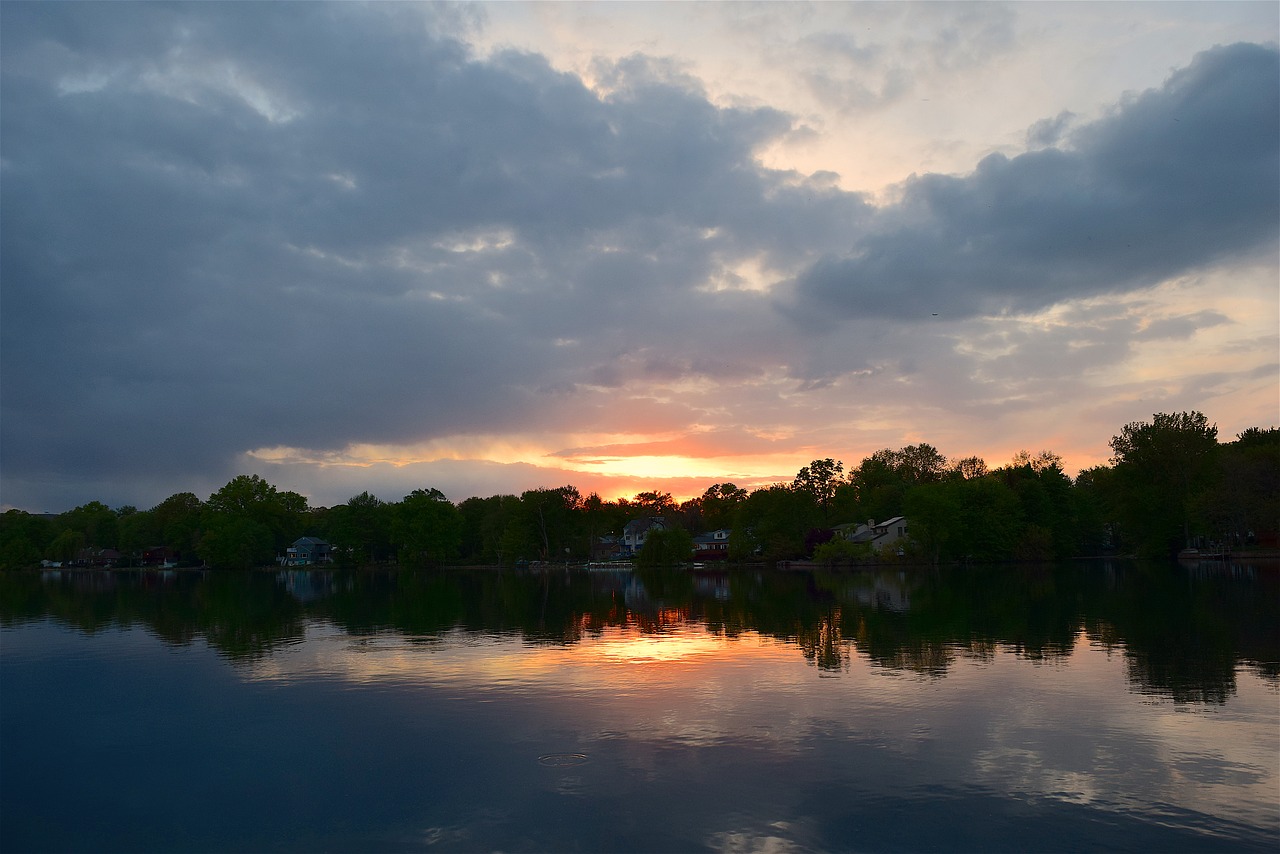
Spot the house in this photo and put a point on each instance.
(889, 534)
(96, 557)
(307, 551)
(607, 547)
(637, 531)
(713, 545)
(159, 556)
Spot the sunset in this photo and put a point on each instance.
(487, 248)
(773, 427)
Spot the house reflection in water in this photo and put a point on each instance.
(307, 585)
(885, 592)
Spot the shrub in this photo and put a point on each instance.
(840, 550)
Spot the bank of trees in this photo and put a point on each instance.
(1170, 484)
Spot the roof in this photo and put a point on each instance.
(711, 536)
(644, 523)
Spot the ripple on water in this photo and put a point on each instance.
(563, 760)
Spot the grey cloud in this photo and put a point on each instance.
(1181, 327)
(1049, 132)
(236, 226)
(1174, 179)
(241, 226)
(975, 34)
(886, 62)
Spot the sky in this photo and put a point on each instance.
(487, 248)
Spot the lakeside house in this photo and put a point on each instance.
(606, 547)
(713, 545)
(889, 534)
(159, 556)
(95, 557)
(637, 531)
(307, 551)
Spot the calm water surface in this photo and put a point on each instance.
(1109, 707)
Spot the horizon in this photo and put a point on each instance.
(624, 247)
(638, 486)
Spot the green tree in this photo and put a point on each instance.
(1091, 514)
(934, 515)
(666, 547)
(236, 541)
(554, 517)
(360, 530)
(1244, 500)
(879, 485)
(969, 467)
(427, 528)
(491, 530)
(819, 481)
(719, 503)
(975, 519)
(179, 524)
(838, 550)
(654, 504)
(23, 537)
(18, 553)
(1160, 465)
(1044, 496)
(96, 521)
(66, 546)
(137, 531)
(921, 463)
(1254, 460)
(772, 523)
(990, 520)
(1037, 462)
(247, 522)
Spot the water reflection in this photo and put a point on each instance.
(1183, 632)
(991, 708)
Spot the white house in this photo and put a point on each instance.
(889, 534)
(712, 545)
(637, 531)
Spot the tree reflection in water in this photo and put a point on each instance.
(1183, 630)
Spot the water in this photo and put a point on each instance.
(999, 708)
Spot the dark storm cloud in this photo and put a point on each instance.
(1172, 180)
(233, 226)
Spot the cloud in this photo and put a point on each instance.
(865, 58)
(232, 239)
(709, 444)
(237, 227)
(1182, 326)
(1049, 132)
(1172, 180)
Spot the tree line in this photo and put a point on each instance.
(1170, 484)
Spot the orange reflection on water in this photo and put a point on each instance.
(661, 647)
(620, 646)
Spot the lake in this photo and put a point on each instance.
(1088, 706)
